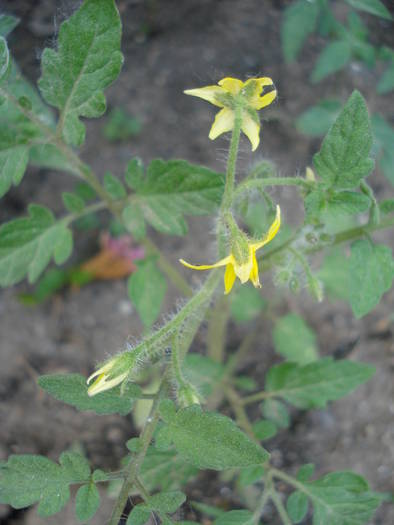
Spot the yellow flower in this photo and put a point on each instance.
(111, 374)
(242, 262)
(230, 94)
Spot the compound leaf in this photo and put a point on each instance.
(86, 61)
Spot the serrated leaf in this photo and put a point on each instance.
(276, 412)
(72, 202)
(343, 159)
(317, 120)
(76, 466)
(72, 389)
(295, 340)
(7, 24)
(297, 506)
(176, 188)
(147, 288)
(27, 479)
(373, 7)
(195, 432)
(28, 244)
(246, 304)
(4, 57)
(235, 517)
(371, 271)
(315, 384)
(341, 498)
(13, 163)
(299, 22)
(87, 60)
(334, 57)
(134, 173)
(87, 501)
(114, 187)
(49, 156)
(347, 202)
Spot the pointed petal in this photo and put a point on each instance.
(242, 271)
(254, 274)
(266, 100)
(222, 262)
(224, 121)
(207, 93)
(101, 371)
(229, 278)
(101, 384)
(251, 129)
(271, 232)
(231, 85)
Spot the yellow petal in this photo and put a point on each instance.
(222, 262)
(207, 93)
(264, 81)
(224, 121)
(229, 278)
(266, 100)
(271, 232)
(101, 384)
(242, 271)
(231, 85)
(254, 274)
(251, 129)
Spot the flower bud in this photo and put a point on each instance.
(112, 373)
(188, 396)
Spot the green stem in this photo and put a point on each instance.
(280, 507)
(272, 181)
(240, 414)
(258, 396)
(232, 162)
(263, 500)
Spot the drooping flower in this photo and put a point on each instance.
(231, 94)
(111, 374)
(242, 262)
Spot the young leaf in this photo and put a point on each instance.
(315, 384)
(114, 187)
(246, 304)
(264, 429)
(72, 389)
(195, 432)
(166, 502)
(87, 60)
(297, 506)
(235, 517)
(139, 515)
(276, 412)
(175, 188)
(343, 159)
(299, 22)
(134, 221)
(295, 340)
(373, 7)
(27, 245)
(342, 498)
(72, 202)
(371, 271)
(87, 501)
(334, 57)
(27, 479)
(305, 472)
(147, 288)
(4, 57)
(317, 120)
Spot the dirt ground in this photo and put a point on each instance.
(170, 46)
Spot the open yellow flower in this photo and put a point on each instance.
(230, 94)
(242, 263)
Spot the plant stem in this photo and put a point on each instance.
(259, 396)
(263, 500)
(135, 465)
(241, 416)
(280, 507)
(232, 163)
(272, 181)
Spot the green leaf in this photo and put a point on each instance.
(235, 517)
(387, 206)
(114, 187)
(334, 57)
(4, 58)
(7, 24)
(195, 436)
(343, 159)
(347, 202)
(342, 498)
(373, 7)
(298, 23)
(202, 372)
(305, 472)
(147, 288)
(315, 384)
(371, 272)
(297, 506)
(27, 245)
(384, 138)
(134, 173)
(87, 501)
(295, 340)
(176, 188)
(276, 412)
(249, 475)
(334, 274)
(139, 515)
(264, 429)
(246, 304)
(13, 163)
(72, 389)
(72, 202)
(166, 502)
(317, 120)
(134, 221)
(121, 126)
(27, 479)
(386, 82)
(64, 246)
(87, 60)
(48, 156)
(76, 466)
